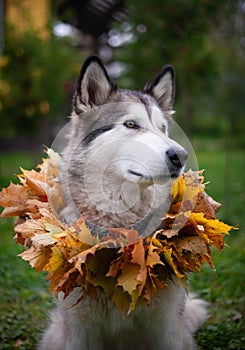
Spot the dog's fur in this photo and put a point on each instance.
(116, 171)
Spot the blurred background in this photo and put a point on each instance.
(42, 46)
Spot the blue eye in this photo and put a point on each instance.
(131, 124)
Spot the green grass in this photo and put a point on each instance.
(224, 290)
(10, 164)
(24, 301)
(24, 298)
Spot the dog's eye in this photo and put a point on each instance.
(163, 128)
(131, 124)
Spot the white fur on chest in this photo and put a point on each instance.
(96, 324)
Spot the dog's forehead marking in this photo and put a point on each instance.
(124, 105)
(143, 101)
(147, 115)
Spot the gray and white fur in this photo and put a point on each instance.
(117, 171)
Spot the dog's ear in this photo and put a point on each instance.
(93, 85)
(162, 87)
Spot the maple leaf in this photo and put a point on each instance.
(28, 228)
(57, 266)
(45, 239)
(132, 272)
(83, 234)
(56, 260)
(130, 268)
(207, 205)
(54, 189)
(187, 249)
(37, 257)
(212, 230)
(71, 279)
(153, 257)
(14, 200)
(129, 282)
(193, 184)
(33, 207)
(34, 180)
(80, 259)
(138, 257)
(97, 266)
(187, 186)
(121, 299)
(178, 190)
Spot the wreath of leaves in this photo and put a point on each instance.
(127, 268)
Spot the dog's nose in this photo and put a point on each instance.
(177, 159)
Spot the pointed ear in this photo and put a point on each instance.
(162, 87)
(93, 85)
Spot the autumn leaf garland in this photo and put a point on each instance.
(127, 268)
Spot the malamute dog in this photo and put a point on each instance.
(116, 171)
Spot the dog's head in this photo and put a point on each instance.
(120, 159)
(128, 129)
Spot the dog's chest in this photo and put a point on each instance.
(99, 324)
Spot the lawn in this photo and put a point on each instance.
(25, 301)
(24, 298)
(224, 290)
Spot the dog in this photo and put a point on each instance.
(116, 171)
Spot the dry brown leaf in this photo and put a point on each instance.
(34, 180)
(37, 257)
(207, 205)
(14, 200)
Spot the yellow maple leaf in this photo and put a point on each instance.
(178, 190)
(121, 299)
(83, 234)
(57, 266)
(56, 260)
(128, 280)
(213, 230)
(185, 191)
(153, 257)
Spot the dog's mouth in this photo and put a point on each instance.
(136, 173)
(158, 178)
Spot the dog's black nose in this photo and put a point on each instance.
(177, 159)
